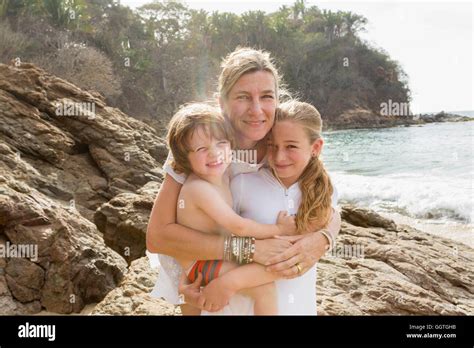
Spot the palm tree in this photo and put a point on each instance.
(298, 9)
(354, 23)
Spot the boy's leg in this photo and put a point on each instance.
(265, 296)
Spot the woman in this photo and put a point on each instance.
(249, 90)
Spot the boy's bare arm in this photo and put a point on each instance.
(165, 236)
(212, 204)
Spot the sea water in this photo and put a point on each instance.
(423, 172)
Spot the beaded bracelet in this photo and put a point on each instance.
(239, 249)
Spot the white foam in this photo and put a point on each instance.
(424, 197)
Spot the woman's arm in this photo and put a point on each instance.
(306, 250)
(213, 205)
(165, 236)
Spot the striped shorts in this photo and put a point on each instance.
(209, 270)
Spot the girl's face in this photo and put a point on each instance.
(209, 157)
(290, 150)
(250, 106)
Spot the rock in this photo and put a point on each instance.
(132, 296)
(360, 117)
(366, 218)
(394, 273)
(124, 219)
(56, 170)
(25, 279)
(65, 263)
(85, 158)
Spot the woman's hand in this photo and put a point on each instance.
(306, 250)
(216, 295)
(266, 249)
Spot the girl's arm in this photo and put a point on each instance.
(212, 204)
(165, 236)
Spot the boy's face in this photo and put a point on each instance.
(208, 156)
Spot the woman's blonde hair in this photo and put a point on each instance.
(245, 60)
(315, 184)
(185, 122)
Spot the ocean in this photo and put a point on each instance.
(419, 175)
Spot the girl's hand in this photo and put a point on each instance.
(215, 295)
(266, 249)
(306, 250)
(286, 224)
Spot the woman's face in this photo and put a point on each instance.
(290, 150)
(209, 157)
(250, 106)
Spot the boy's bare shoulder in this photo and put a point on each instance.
(194, 184)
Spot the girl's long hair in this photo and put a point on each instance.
(315, 184)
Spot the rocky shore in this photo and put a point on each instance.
(360, 118)
(75, 196)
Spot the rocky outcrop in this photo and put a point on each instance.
(355, 118)
(394, 271)
(124, 219)
(63, 154)
(52, 257)
(82, 149)
(132, 296)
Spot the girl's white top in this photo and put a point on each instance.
(259, 196)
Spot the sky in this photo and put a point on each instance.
(432, 41)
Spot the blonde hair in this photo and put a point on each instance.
(185, 122)
(245, 60)
(314, 182)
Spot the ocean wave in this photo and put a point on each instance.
(423, 197)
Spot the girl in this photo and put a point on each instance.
(296, 181)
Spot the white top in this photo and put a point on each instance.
(260, 196)
(257, 195)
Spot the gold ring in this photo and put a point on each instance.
(298, 266)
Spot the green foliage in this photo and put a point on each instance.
(174, 52)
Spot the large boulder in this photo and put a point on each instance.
(124, 219)
(52, 257)
(63, 154)
(83, 151)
